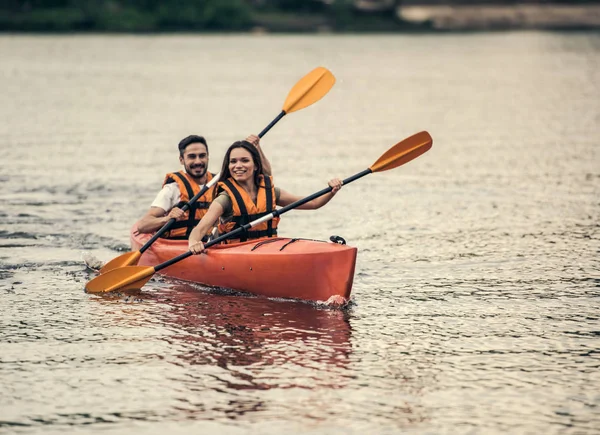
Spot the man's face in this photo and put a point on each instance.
(195, 160)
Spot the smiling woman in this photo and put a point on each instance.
(245, 194)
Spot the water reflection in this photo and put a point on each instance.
(229, 350)
(244, 335)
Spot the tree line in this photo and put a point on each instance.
(212, 15)
(158, 15)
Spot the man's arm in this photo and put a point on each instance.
(157, 216)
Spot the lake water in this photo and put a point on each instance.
(475, 303)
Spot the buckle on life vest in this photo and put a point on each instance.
(338, 239)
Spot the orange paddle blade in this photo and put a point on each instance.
(403, 152)
(123, 278)
(309, 89)
(128, 259)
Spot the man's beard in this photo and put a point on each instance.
(193, 171)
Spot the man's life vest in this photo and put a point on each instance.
(246, 211)
(188, 188)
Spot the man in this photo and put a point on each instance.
(179, 187)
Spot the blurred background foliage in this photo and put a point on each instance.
(188, 15)
(215, 15)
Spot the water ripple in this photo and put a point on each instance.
(475, 298)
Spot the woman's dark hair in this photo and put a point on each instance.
(190, 140)
(225, 174)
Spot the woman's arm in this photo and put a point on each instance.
(255, 140)
(286, 198)
(213, 213)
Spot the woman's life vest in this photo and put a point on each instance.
(188, 188)
(246, 211)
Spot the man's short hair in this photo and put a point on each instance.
(190, 140)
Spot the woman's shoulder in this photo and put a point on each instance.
(223, 199)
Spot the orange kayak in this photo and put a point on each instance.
(277, 267)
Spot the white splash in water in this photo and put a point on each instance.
(91, 261)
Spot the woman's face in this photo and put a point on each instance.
(241, 165)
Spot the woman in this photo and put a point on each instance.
(245, 194)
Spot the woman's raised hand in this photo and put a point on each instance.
(254, 140)
(335, 184)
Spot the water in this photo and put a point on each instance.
(476, 294)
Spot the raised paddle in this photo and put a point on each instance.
(134, 277)
(309, 89)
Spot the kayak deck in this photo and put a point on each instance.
(277, 267)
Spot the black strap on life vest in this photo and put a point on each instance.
(192, 211)
(246, 218)
(269, 192)
(191, 221)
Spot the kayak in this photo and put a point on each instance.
(276, 267)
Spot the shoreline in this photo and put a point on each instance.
(504, 17)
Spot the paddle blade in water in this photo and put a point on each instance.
(403, 152)
(309, 89)
(123, 278)
(128, 259)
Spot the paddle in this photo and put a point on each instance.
(134, 277)
(309, 89)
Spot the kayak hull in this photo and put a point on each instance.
(278, 267)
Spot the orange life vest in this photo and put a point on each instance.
(188, 188)
(246, 211)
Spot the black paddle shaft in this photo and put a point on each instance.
(275, 121)
(274, 214)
